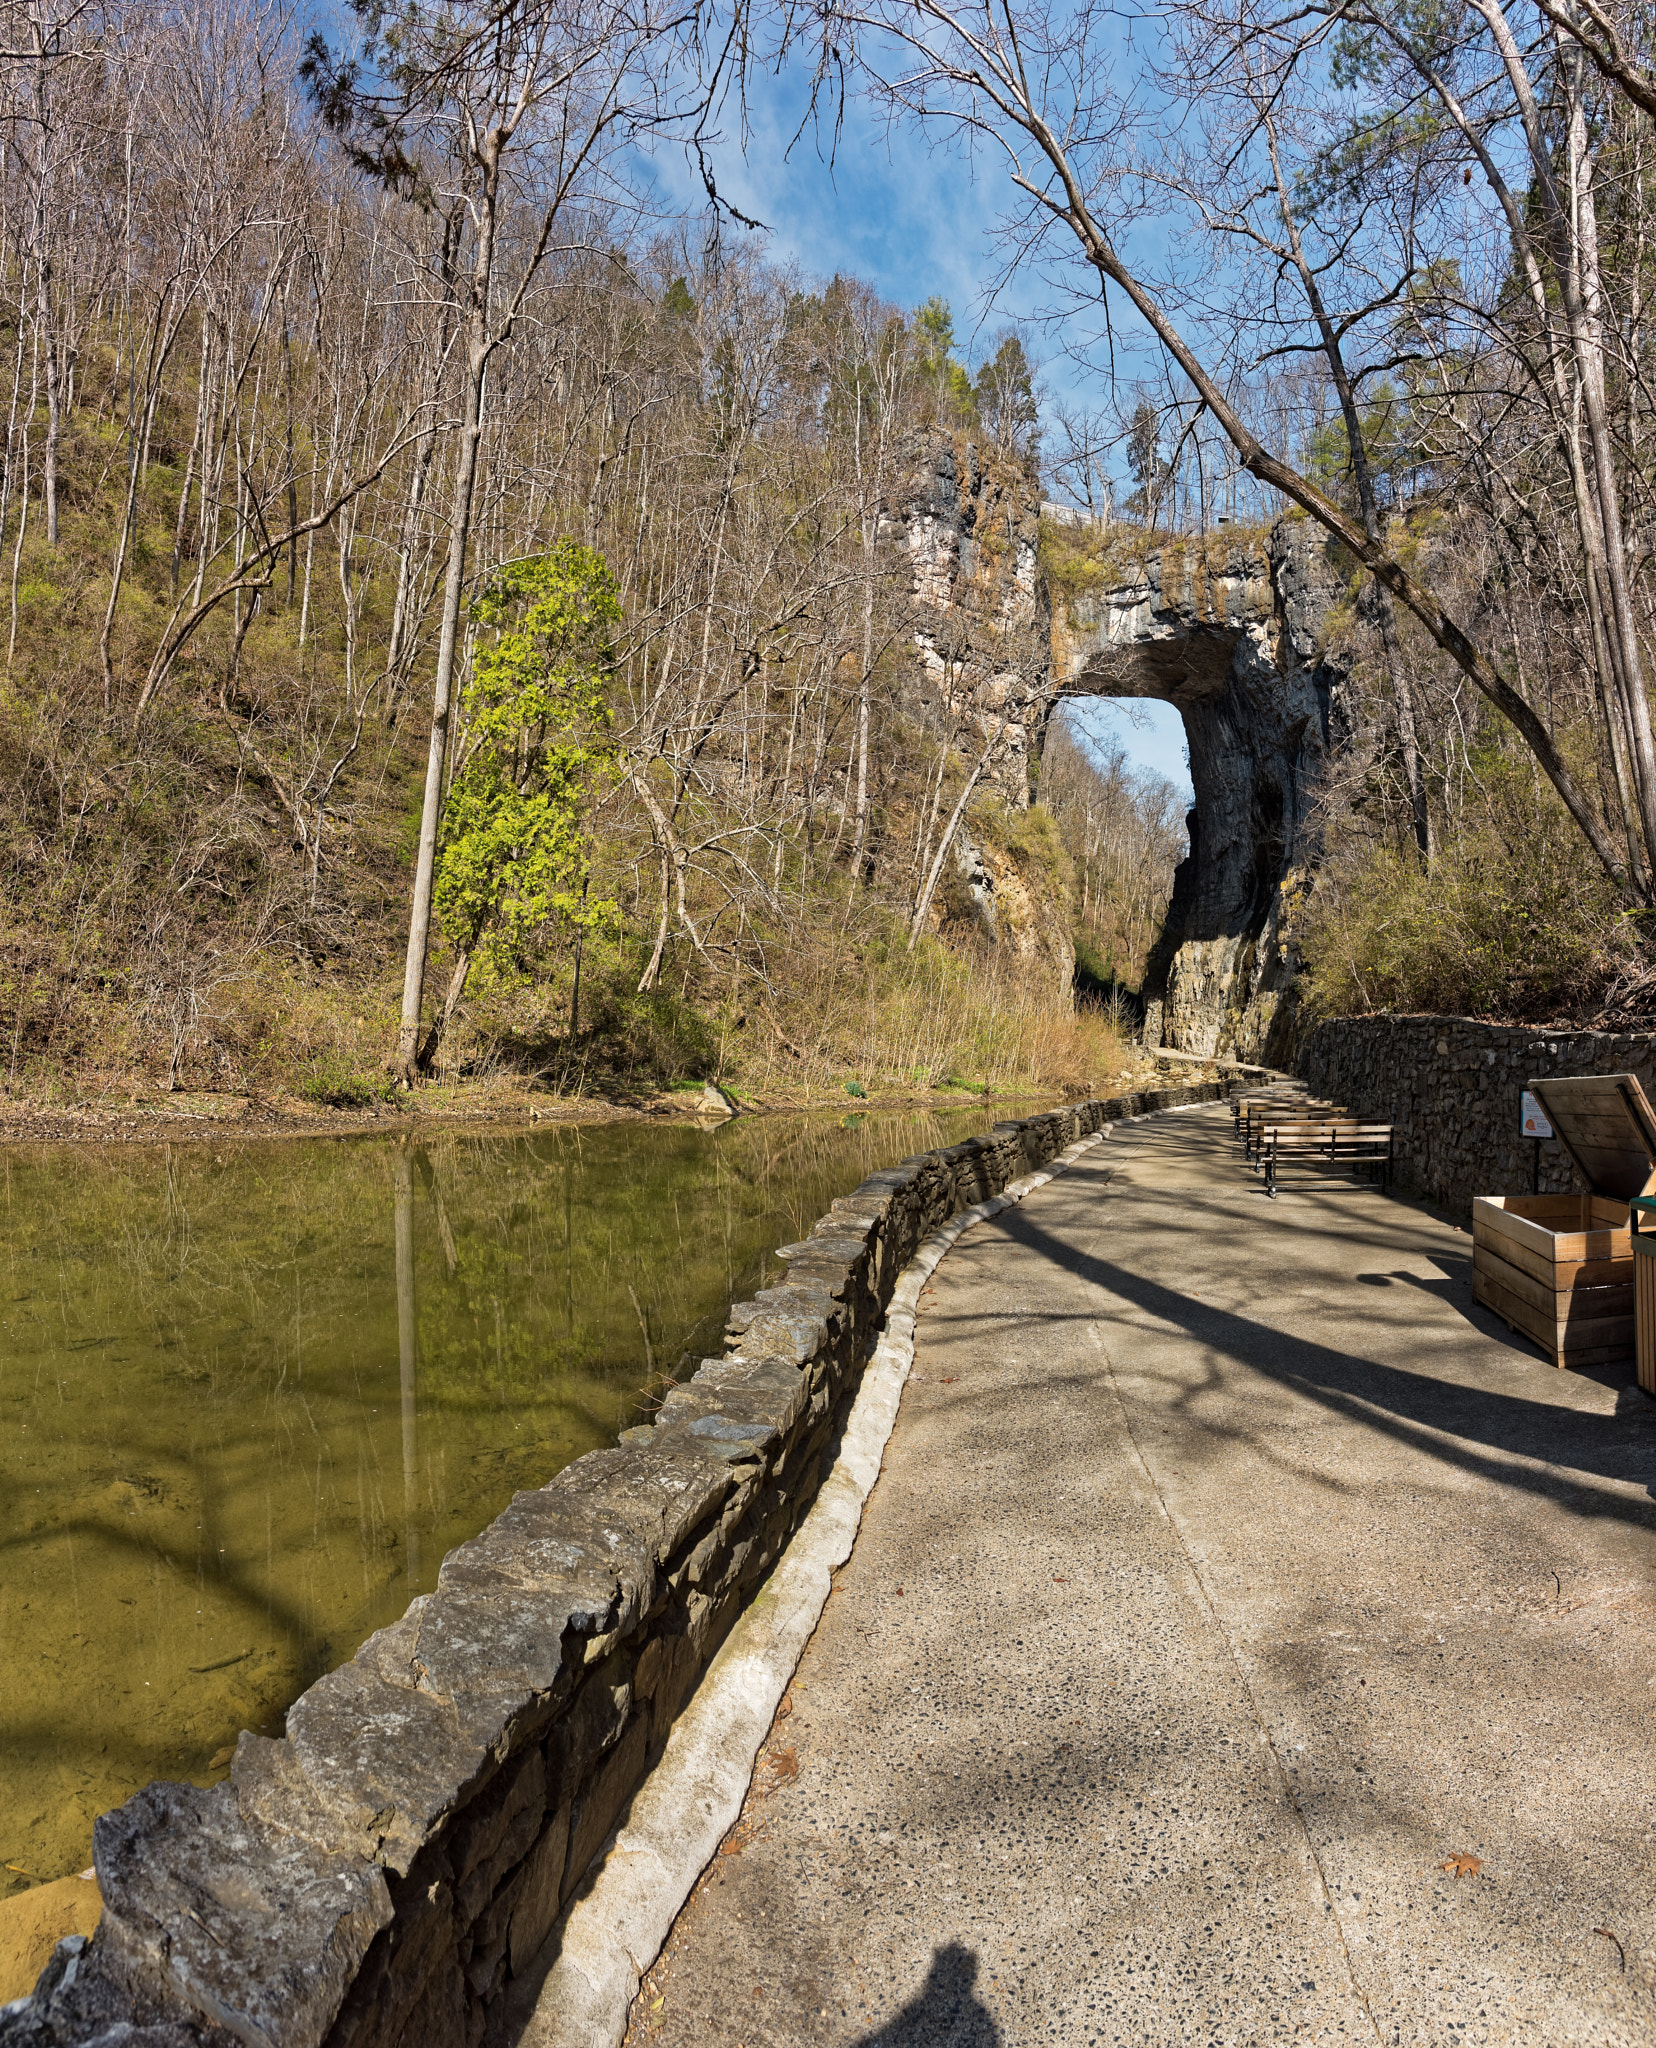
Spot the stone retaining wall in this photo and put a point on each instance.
(1449, 1087)
(376, 1877)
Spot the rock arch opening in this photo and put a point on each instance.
(1229, 635)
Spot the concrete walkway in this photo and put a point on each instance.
(1231, 1575)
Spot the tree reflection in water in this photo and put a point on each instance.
(251, 1392)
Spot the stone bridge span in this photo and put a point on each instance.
(1228, 630)
(1230, 635)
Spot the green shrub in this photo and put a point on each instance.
(1092, 971)
(657, 1038)
(626, 1039)
(336, 1086)
(1514, 921)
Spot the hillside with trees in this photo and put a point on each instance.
(1393, 266)
(556, 601)
(457, 617)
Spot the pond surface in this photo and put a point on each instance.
(251, 1393)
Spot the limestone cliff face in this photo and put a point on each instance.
(1231, 636)
(1230, 633)
(1013, 903)
(969, 523)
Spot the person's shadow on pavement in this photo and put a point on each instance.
(946, 2012)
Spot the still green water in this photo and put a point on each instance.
(250, 1394)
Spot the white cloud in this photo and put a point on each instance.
(912, 221)
(909, 220)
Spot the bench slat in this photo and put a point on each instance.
(1335, 1142)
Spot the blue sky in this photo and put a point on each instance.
(913, 223)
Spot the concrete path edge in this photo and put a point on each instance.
(620, 1920)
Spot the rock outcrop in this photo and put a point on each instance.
(969, 522)
(1013, 900)
(1231, 635)
(1228, 631)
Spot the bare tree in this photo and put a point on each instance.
(499, 105)
(1080, 459)
(1033, 85)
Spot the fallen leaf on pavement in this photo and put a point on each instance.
(1462, 1865)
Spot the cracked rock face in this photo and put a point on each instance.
(970, 523)
(1231, 638)
(989, 893)
(1229, 635)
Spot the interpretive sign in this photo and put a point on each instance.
(1532, 1118)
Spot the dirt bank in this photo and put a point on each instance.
(185, 1118)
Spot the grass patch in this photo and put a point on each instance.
(332, 1085)
(1081, 560)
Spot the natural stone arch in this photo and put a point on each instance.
(1229, 635)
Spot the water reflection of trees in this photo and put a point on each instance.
(250, 1393)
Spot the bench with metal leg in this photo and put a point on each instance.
(1291, 1115)
(1336, 1145)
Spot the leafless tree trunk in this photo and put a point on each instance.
(1006, 79)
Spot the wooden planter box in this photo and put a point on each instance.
(1644, 1289)
(1560, 1269)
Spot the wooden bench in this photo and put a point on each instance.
(1341, 1143)
(1314, 1124)
(1282, 1115)
(1247, 1108)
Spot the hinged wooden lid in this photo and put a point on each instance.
(1608, 1128)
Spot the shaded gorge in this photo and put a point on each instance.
(250, 1394)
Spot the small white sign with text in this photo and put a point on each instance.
(1532, 1118)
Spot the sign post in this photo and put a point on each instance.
(1532, 1123)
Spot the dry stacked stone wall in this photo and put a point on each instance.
(1449, 1087)
(375, 1878)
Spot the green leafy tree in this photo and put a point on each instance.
(946, 379)
(1005, 394)
(1149, 467)
(934, 332)
(514, 864)
(1388, 442)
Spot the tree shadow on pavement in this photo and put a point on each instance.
(1478, 1428)
(945, 2013)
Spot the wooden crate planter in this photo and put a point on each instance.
(1644, 1289)
(1560, 1268)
